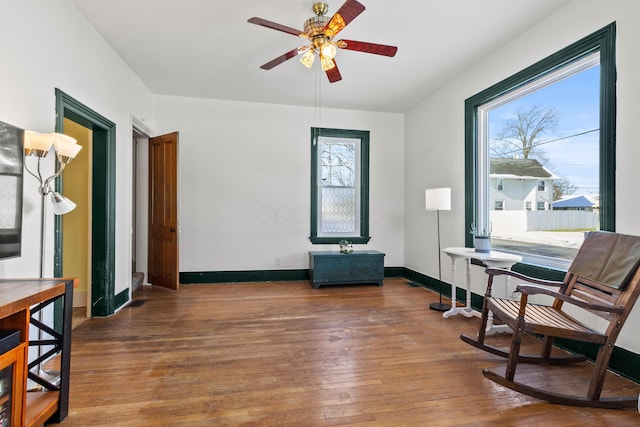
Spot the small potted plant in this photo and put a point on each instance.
(481, 238)
(345, 247)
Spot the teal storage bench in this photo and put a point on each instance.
(335, 268)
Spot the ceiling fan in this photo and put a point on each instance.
(320, 31)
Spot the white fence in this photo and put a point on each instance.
(513, 222)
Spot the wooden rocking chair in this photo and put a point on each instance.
(604, 279)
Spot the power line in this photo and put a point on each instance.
(552, 140)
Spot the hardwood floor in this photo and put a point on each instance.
(284, 354)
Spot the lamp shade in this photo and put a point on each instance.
(37, 144)
(61, 205)
(437, 199)
(307, 58)
(329, 50)
(66, 147)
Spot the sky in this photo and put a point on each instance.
(575, 158)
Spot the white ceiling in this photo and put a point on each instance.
(206, 48)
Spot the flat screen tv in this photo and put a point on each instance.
(11, 174)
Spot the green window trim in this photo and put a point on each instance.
(363, 136)
(602, 41)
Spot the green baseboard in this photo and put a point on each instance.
(200, 277)
(394, 272)
(188, 278)
(121, 299)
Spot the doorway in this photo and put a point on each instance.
(139, 204)
(76, 230)
(154, 238)
(101, 280)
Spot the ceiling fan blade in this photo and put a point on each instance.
(333, 73)
(347, 13)
(377, 49)
(280, 59)
(276, 26)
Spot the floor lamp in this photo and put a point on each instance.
(438, 199)
(39, 145)
(65, 147)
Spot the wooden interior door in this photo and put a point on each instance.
(163, 211)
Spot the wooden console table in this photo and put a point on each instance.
(335, 268)
(20, 301)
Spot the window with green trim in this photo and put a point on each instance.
(339, 185)
(579, 80)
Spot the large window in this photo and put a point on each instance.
(339, 185)
(548, 135)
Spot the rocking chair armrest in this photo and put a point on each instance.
(527, 290)
(493, 271)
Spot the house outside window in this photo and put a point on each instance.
(339, 185)
(521, 178)
(579, 81)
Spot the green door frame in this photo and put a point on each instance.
(103, 205)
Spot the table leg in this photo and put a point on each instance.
(466, 311)
(468, 307)
(452, 310)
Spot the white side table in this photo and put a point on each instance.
(490, 259)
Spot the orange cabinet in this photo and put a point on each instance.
(20, 301)
(12, 364)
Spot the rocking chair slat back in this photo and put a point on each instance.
(594, 293)
(609, 259)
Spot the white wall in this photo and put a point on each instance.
(435, 132)
(244, 181)
(48, 45)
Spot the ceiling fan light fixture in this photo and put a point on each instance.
(320, 31)
(328, 50)
(307, 58)
(327, 63)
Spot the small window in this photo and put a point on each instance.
(542, 185)
(339, 185)
(541, 206)
(500, 185)
(499, 205)
(527, 205)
